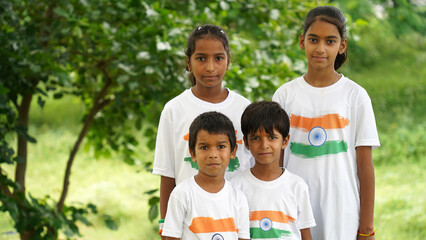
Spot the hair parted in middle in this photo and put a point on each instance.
(333, 16)
(265, 116)
(202, 32)
(214, 123)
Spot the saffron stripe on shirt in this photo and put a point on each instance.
(329, 121)
(275, 216)
(208, 225)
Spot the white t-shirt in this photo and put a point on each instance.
(326, 126)
(172, 158)
(278, 208)
(193, 213)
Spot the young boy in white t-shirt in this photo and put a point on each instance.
(278, 200)
(206, 206)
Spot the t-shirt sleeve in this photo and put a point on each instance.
(305, 218)
(175, 216)
(366, 130)
(279, 97)
(164, 163)
(243, 220)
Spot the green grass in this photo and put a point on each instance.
(400, 201)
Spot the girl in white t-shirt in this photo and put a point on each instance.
(332, 133)
(207, 60)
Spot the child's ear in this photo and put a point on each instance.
(285, 142)
(302, 42)
(234, 152)
(194, 159)
(343, 45)
(246, 143)
(188, 64)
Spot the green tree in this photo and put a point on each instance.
(124, 59)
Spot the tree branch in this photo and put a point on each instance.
(98, 104)
(4, 188)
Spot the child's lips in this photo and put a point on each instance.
(210, 77)
(264, 154)
(213, 164)
(320, 58)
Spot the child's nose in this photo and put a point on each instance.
(210, 65)
(321, 46)
(264, 143)
(213, 153)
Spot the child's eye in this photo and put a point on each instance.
(203, 148)
(273, 137)
(312, 40)
(201, 58)
(221, 146)
(254, 138)
(219, 58)
(331, 41)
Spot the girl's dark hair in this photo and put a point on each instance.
(213, 123)
(331, 15)
(265, 116)
(205, 31)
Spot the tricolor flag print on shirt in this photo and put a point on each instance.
(270, 225)
(321, 135)
(214, 229)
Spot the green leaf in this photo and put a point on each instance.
(150, 192)
(40, 102)
(58, 95)
(153, 213)
(110, 223)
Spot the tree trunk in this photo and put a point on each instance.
(23, 119)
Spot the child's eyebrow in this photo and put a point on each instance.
(204, 54)
(314, 35)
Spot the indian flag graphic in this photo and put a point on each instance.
(321, 135)
(233, 165)
(214, 229)
(270, 225)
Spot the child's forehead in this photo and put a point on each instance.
(204, 135)
(263, 130)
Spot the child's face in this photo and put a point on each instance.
(321, 43)
(266, 148)
(212, 153)
(209, 62)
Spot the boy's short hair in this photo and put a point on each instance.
(267, 116)
(213, 123)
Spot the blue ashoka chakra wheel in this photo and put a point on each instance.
(217, 236)
(265, 224)
(317, 136)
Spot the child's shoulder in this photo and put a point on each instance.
(183, 96)
(288, 86)
(240, 177)
(294, 179)
(184, 187)
(234, 95)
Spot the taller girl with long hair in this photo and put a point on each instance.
(333, 131)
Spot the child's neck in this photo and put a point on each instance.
(321, 78)
(267, 172)
(212, 95)
(210, 184)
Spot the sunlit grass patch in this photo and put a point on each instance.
(400, 202)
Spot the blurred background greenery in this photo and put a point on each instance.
(117, 63)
